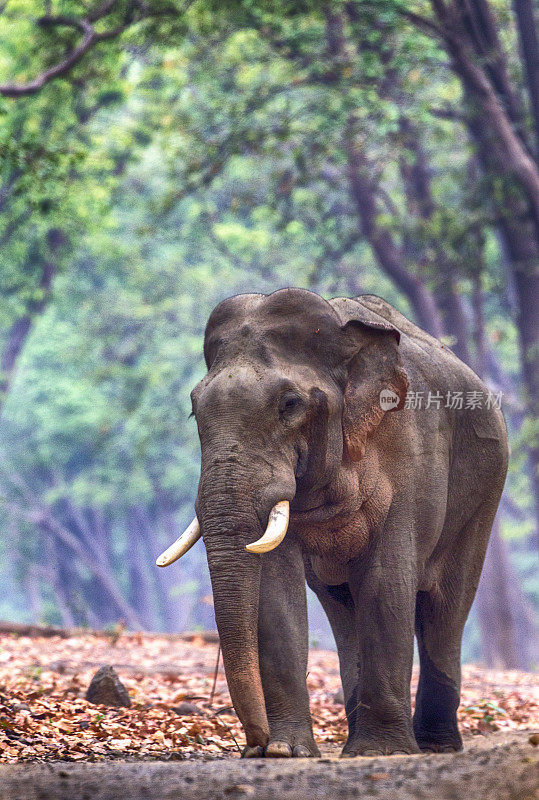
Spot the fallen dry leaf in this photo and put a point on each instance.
(44, 716)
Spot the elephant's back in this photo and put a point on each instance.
(418, 346)
(399, 321)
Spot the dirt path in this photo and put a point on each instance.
(501, 766)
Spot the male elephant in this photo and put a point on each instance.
(382, 506)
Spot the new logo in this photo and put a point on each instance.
(389, 399)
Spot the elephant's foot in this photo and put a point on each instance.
(435, 719)
(439, 748)
(439, 740)
(379, 746)
(285, 747)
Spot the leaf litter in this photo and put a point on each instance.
(44, 715)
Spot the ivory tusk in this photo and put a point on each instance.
(180, 547)
(276, 530)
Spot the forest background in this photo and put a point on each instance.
(157, 157)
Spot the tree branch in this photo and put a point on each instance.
(12, 227)
(426, 24)
(90, 37)
(495, 116)
(63, 67)
(449, 113)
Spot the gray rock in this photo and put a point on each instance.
(187, 709)
(21, 707)
(338, 697)
(107, 689)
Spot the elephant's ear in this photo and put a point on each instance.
(377, 382)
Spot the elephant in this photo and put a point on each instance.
(345, 448)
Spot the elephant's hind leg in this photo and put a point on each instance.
(440, 618)
(283, 647)
(438, 690)
(338, 604)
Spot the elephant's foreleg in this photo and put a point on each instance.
(384, 598)
(283, 646)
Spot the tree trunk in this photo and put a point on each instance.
(420, 206)
(32, 591)
(479, 336)
(140, 586)
(57, 580)
(529, 45)
(506, 617)
(380, 239)
(22, 326)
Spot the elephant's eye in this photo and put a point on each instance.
(289, 403)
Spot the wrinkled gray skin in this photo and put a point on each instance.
(390, 514)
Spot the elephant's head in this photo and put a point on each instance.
(291, 392)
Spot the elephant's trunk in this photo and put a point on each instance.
(227, 527)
